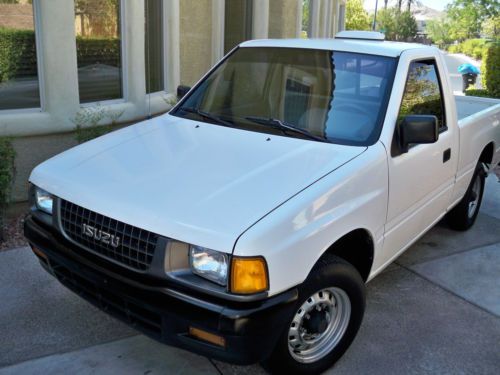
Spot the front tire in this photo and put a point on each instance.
(327, 316)
(464, 214)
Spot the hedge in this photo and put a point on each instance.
(478, 92)
(490, 70)
(470, 47)
(18, 52)
(7, 156)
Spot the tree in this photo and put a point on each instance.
(386, 23)
(97, 17)
(397, 25)
(439, 31)
(467, 16)
(465, 19)
(491, 28)
(406, 26)
(356, 17)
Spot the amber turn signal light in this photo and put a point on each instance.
(38, 252)
(207, 336)
(249, 275)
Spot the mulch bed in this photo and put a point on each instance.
(13, 233)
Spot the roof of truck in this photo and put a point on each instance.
(373, 47)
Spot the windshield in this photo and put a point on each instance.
(334, 96)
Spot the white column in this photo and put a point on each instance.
(260, 19)
(341, 16)
(315, 18)
(55, 21)
(172, 50)
(133, 55)
(218, 11)
(335, 18)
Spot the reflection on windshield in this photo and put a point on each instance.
(338, 96)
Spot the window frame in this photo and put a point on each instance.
(395, 150)
(432, 59)
(124, 66)
(39, 67)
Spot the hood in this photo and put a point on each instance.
(191, 181)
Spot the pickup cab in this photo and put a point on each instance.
(244, 224)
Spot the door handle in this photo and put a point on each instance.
(446, 155)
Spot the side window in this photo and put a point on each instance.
(423, 94)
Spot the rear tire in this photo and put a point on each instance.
(464, 214)
(327, 316)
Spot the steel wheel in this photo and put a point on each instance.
(318, 325)
(475, 192)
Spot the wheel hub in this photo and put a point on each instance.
(319, 324)
(316, 321)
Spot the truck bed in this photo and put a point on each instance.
(472, 105)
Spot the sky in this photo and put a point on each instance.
(435, 4)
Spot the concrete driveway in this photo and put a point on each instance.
(435, 310)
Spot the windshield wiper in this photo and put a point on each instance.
(206, 115)
(283, 125)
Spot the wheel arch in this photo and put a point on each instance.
(357, 248)
(487, 154)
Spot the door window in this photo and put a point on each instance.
(423, 94)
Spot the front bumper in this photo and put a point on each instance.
(161, 310)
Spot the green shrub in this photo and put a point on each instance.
(490, 70)
(7, 156)
(103, 50)
(18, 52)
(471, 47)
(478, 92)
(87, 121)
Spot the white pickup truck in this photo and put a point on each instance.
(244, 224)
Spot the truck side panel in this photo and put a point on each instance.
(476, 132)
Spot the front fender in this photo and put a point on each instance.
(295, 235)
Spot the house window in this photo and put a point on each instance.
(154, 46)
(19, 86)
(237, 23)
(98, 50)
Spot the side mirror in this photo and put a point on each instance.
(182, 90)
(417, 129)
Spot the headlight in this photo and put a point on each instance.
(210, 264)
(43, 200)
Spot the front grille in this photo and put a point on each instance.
(136, 246)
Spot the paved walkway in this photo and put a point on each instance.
(435, 310)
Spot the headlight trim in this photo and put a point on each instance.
(209, 264)
(44, 201)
